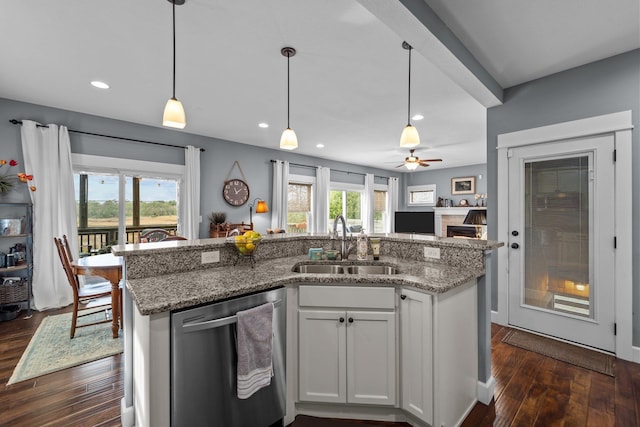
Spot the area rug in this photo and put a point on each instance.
(588, 359)
(51, 349)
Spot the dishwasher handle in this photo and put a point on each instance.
(216, 323)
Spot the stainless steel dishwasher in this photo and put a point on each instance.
(203, 366)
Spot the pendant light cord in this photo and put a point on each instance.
(409, 90)
(174, 49)
(288, 84)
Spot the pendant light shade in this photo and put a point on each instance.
(411, 166)
(409, 137)
(288, 140)
(174, 115)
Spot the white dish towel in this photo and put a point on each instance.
(254, 348)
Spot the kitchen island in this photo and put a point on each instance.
(170, 276)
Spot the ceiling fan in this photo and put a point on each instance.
(412, 162)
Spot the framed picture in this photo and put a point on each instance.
(466, 185)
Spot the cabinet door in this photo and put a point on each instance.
(322, 364)
(371, 357)
(416, 353)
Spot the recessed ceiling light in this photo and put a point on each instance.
(263, 125)
(99, 84)
(319, 145)
(417, 117)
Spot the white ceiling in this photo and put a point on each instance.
(348, 79)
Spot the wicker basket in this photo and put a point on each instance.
(13, 291)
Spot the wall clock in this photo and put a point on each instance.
(235, 192)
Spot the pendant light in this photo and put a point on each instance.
(409, 137)
(288, 140)
(174, 115)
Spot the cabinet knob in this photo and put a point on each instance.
(515, 246)
(403, 297)
(350, 319)
(342, 320)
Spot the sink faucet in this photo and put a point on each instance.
(344, 250)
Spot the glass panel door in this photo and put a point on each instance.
(560, 248)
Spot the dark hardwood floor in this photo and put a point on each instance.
(531, 390)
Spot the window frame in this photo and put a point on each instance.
(127, 167)
(420, 189)
(304, 180)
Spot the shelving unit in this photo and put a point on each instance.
(17, 292)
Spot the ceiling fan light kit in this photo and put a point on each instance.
(174, 115)
(288, 140)
(412, 162)
(409, 137)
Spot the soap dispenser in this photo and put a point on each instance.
(362, 246)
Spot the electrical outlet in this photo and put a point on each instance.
(209, 257)
(430, 252)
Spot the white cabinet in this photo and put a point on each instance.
(416, 352)
(439, 354)
(347, 345)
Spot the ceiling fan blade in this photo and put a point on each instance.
(423, 163)
(431, 160)
(399, 166)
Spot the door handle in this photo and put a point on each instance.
(515, 246)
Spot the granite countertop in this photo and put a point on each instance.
(187, 289)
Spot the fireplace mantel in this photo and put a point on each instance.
(450, 216)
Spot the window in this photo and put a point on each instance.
(421, 195)
(347, 203)
(379, 211)
(115, 196)
(298, 207)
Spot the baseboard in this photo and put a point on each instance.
(497, 318)
(635, 353)
(485, 390)
(127, 415)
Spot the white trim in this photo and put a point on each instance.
(623, 254)
(127, 416)
(301, 179)
(574, 129)
(485, 390)
(345, 186)
(621, 125)
(114, 164)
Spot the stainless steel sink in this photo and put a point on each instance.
(372, 269)
(319, 269)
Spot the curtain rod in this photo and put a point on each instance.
(337, 170)
(19, 122)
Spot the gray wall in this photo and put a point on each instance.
(602, 87)
(216, 160)
(442, 179)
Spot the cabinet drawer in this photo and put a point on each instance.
(347, 296)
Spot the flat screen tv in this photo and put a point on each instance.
(415, 222)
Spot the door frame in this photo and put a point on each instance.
(620, 125)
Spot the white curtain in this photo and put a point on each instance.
(189, 225)
(390, 225)
(47, 156)
(279, 197)
(367, 202)
(321, 207)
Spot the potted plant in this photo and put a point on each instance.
(217, 222)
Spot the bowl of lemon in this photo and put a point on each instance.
(246, 243)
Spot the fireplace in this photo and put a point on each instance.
(468, 231)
